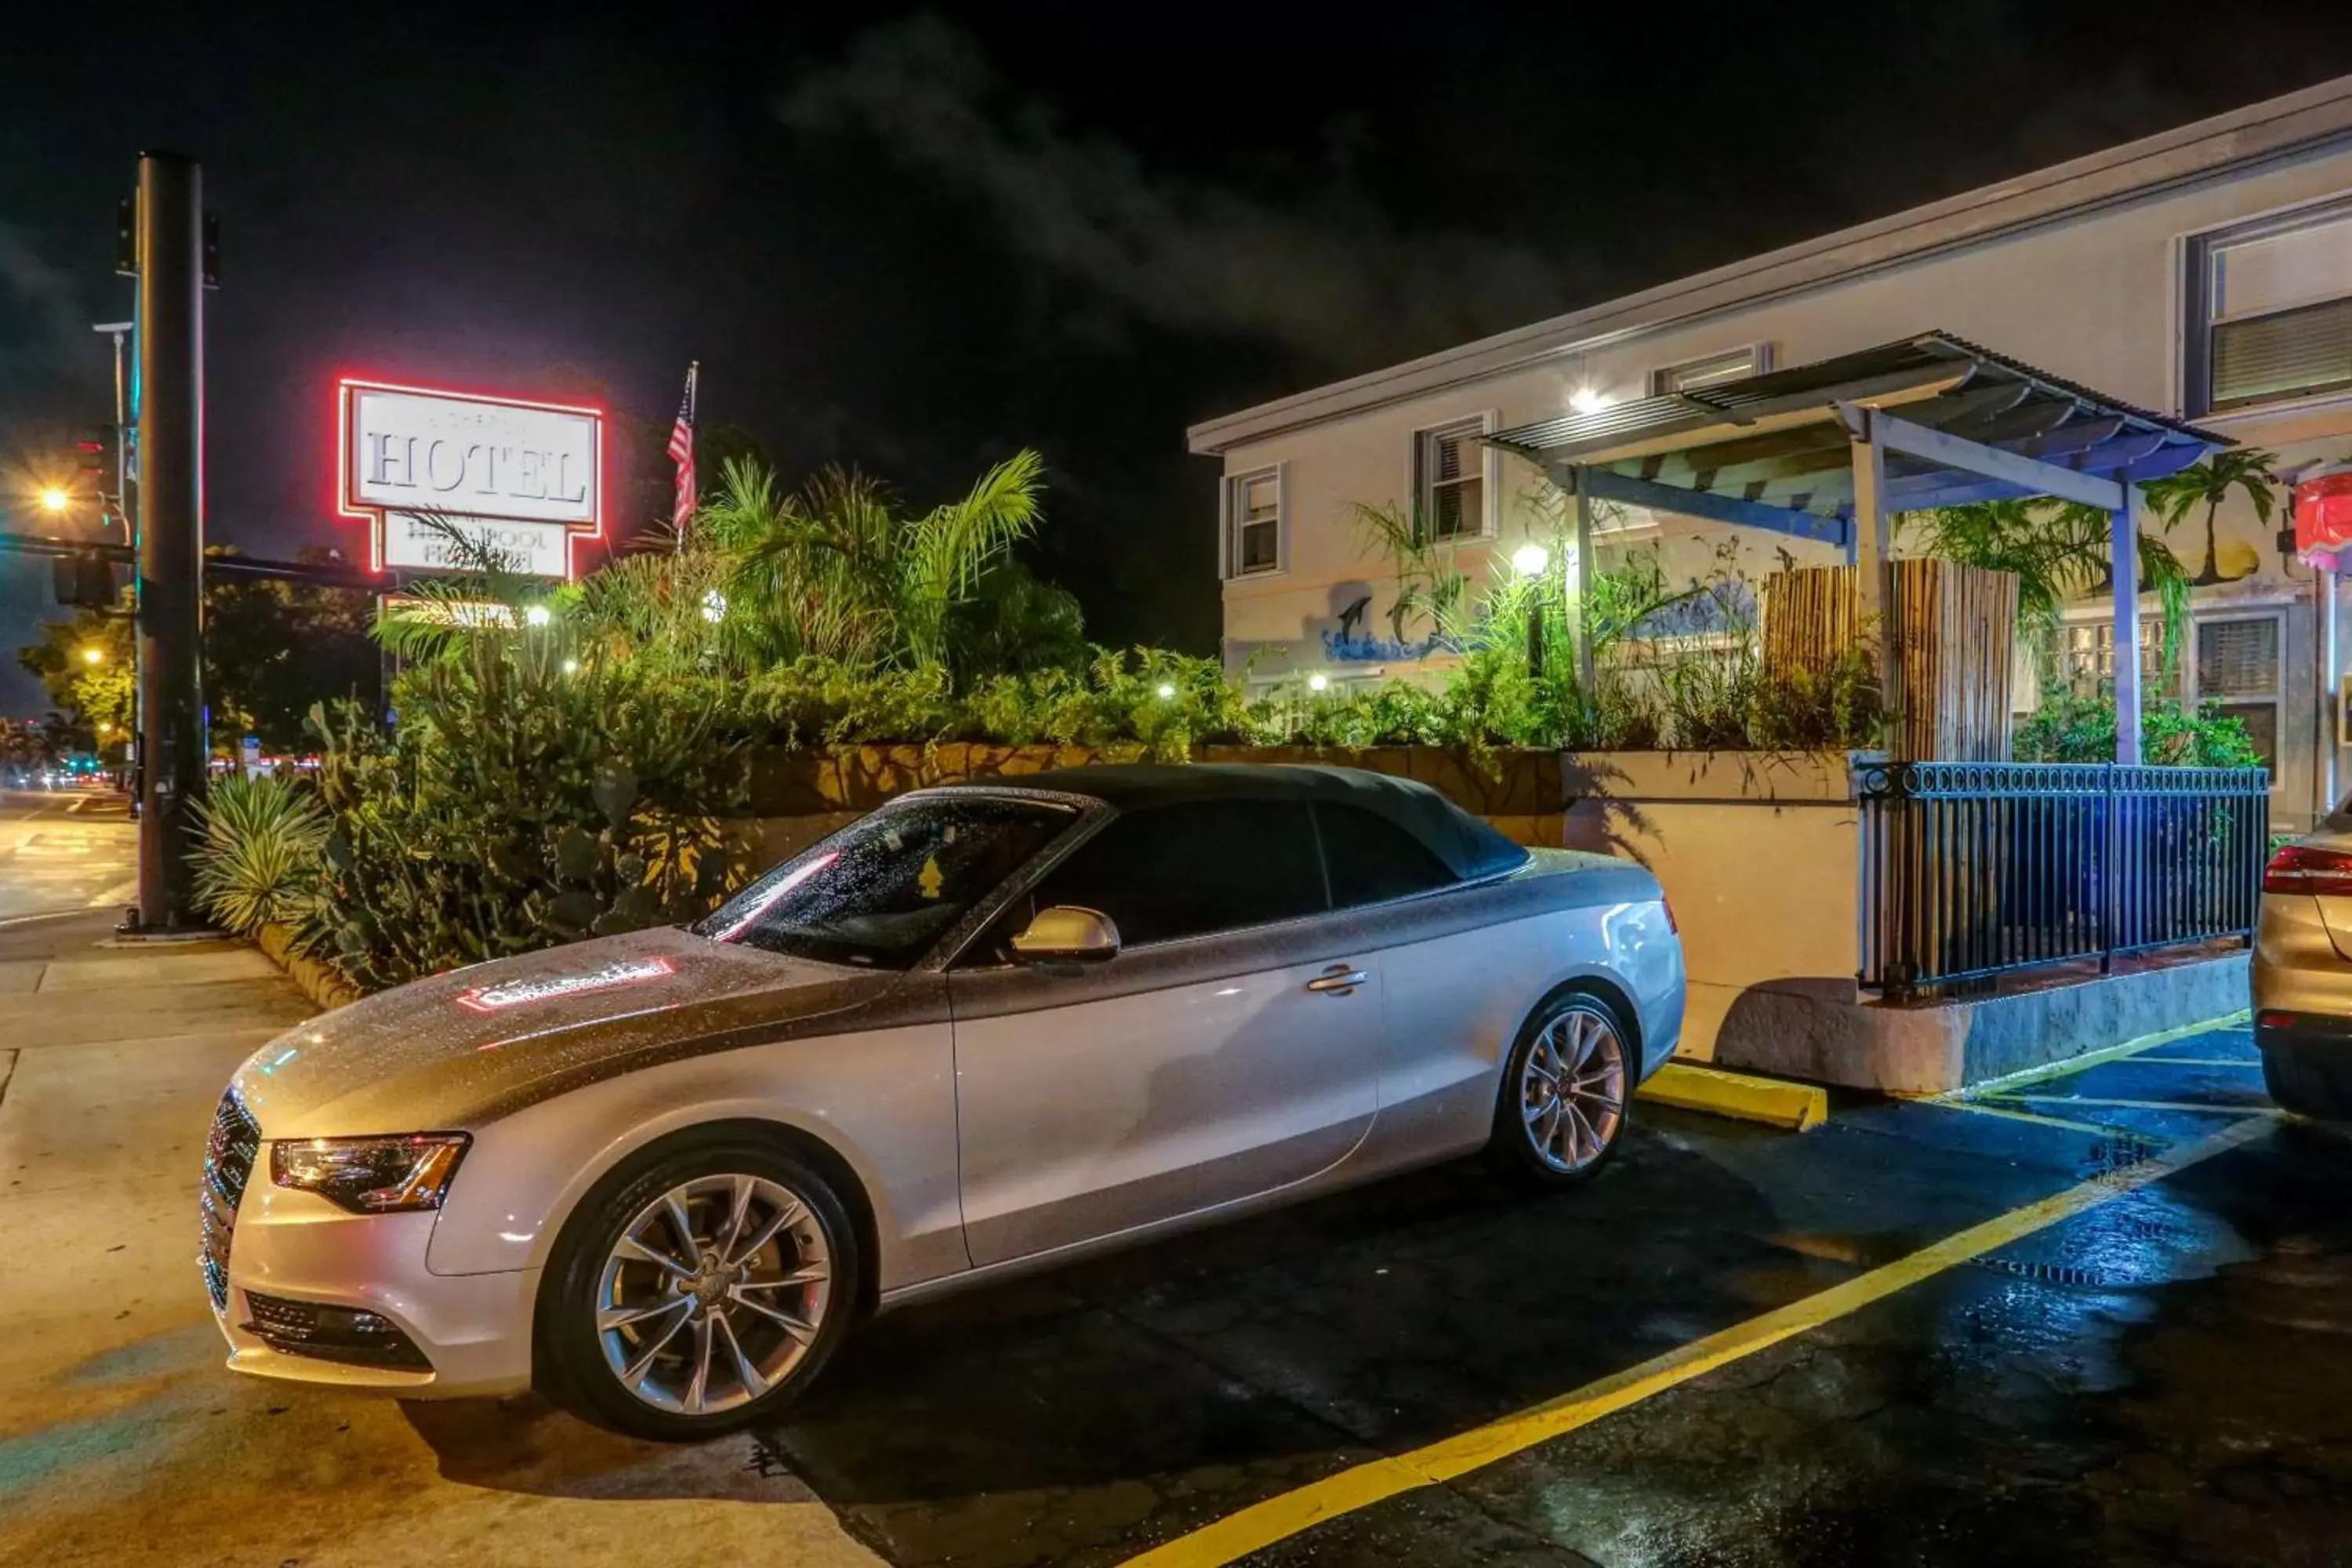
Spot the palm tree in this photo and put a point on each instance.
(2057, 551)
(837, 571)
(2209, 484)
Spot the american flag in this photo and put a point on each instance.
(681, 452)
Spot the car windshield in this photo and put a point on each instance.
(880, 892)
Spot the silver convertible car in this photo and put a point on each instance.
(986, 1028)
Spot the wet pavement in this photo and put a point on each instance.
(2155, 1369)
(2164, 1377)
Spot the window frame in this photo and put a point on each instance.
(1759, 362)
(1323, 855)
(1051, 860)
(1420, 485)
(2276, 696)
(1231, 523)
(2195, 318)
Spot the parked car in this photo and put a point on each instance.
(2302, 972)
(986, 1028)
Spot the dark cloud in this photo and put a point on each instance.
(1325, 274)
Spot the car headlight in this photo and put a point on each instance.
(371, 1176)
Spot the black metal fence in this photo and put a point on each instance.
(1971, 870)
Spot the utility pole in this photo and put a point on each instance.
(172, 745)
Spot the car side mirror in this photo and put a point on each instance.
(1066, 932)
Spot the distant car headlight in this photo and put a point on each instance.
(371, 1176)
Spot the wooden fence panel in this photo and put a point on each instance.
(1954, 641)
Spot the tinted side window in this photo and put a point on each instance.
(1371, 858)
(1180, 870)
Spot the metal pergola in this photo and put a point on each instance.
(1830, 451)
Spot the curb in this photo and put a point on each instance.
(319, 982)
(1777, 1102)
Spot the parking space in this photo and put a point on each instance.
(1283, 1390)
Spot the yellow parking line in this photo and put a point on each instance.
(1261, 1524)
(2088, 1060)
(2009, 1113)
(2207, 1109)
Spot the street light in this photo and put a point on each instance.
(54, 500)
(93, 655)
(1529, 561)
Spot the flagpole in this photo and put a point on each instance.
(681, 451)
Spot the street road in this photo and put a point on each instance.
(2101, 1317)
(66, 849)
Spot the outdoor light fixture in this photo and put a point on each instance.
(1318, 683)
(54, 499)
(1167, 689)
(571, 666)
(537, 616)
(714, 605)
(93, 655)
(1589, 400)
(1529, 559)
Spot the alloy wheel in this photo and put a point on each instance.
(713, 1293)
(1572, 1089)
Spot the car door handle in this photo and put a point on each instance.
(1337, 981)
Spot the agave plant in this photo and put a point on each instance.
(257, 855)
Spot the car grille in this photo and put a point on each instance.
(230, 1155)
(331, 1333)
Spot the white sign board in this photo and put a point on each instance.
(532, 549)
(526, 476)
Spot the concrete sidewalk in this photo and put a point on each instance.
(121, 1437)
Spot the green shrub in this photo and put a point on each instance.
(257, 857)
(2071, 728)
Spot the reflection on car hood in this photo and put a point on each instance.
(447, 1052)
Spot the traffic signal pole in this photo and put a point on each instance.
(172, 745)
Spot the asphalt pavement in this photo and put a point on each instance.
(2101, 1317)
(66, 849)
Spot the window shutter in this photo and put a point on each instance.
(1224, 527)
(2303, 350)
(2238, 659)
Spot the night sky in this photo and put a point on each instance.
(915, 241)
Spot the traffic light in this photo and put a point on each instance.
(95, 455)
(82, 581)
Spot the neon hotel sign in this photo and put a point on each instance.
(524, 479)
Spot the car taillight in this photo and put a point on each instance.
(2299, 868)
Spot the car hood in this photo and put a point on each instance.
(452, 1050)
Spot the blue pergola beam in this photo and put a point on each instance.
(1710, 505)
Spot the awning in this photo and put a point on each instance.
(1957, 423)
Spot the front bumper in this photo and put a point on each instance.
(296, 1251)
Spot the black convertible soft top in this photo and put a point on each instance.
(1468, 847)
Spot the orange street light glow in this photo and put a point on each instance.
(54, 499)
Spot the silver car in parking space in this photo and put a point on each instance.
(987, 1028)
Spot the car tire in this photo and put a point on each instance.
(2302, 1085)
(698, 1289)
(1567, 1093)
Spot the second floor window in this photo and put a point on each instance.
(1253, 524)
(1450, 480)
(2271, 307)
(1695, 374)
